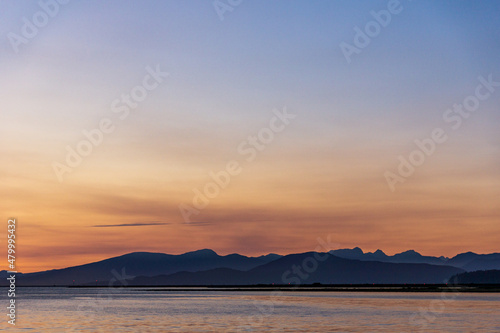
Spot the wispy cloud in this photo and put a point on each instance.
(138, 224)
(199, 224)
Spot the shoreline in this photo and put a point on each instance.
(470, 288)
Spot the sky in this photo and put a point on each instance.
(305, 112)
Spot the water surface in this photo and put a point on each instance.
(141, 310)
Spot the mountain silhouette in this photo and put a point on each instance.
(471, 261)
(206, 267)
(302, 268)
(143, 264)
(477, 277)
(409, 256)
(468, 261)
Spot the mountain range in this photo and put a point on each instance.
(206, 267)
(477, 277)
(143, 264)
(468, 261)
(303, 268)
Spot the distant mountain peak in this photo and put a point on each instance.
(409, 253)
(470, 253)
(202, 253)
(271, 256)
(379, 253)
(355, 253)
(142, 253)
(355, 250)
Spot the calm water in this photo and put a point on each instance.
(139, 310)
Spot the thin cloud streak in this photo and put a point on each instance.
(138, 224)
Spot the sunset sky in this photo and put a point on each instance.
(324, 172)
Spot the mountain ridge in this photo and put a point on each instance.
(469, 261)
(194, 264)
